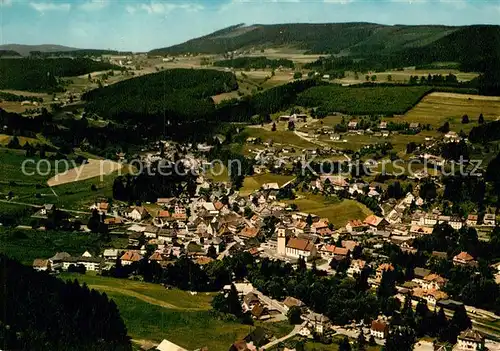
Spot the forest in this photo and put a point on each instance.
(41, 312)
(254, 62)
(177, 96)
(42, 75)
(376, 100)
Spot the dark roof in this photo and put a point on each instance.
(471, 335)
(420, 272)
(258, 336)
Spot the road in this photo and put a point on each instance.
(294, 332)
(40, 206)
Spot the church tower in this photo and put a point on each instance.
(281, 240)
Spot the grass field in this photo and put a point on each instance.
(282, 137)
(254, 182)
(436, 108)
(26, 245)
(92, 169)
(148, 314)
(338, 212)
(404, 76)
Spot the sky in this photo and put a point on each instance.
(142, 25)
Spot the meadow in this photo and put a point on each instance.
(188, 322)
(338, 212)
(280, 136)
(255, 182)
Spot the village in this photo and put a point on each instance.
(218, 222)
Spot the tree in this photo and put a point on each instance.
(361, 341)
(14, 143)
(297, 75)
(481, 119)
(212, 252)
(94, 221)
(465, 119)
(309, 220)
(445, 128)
(273, 127)
(389, 78)
(400, 339)
(291, 126)
(373, 78)
(460, 319)
(294, 314)
(344, 344)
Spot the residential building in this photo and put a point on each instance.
(41, 265)
(355, 226)
(130, 257)
(378, 223)
(137, 213)
(379, 329)
(471, 340)
(463, 258)
(91, 264)
(383, 268)
(489, 220)
(356, 267)
(318, 322)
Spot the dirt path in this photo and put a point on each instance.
(142, 297)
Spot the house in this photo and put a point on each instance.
(464, 259)
(135, 239)
(328, 252)
(378, 223)
(56, 260)
(318, 322)
(383, 268)
(471, 340)
(249, 301)
(102, 207)
(383, 125)
(130, 257)
(472, 220)
(489, 220)
(356, 267)
(297, 248)
(93, 264)
(417, 230)
(248, 233)
(455, 222)
(110, 254)
(352, 125)
(355, 226)
(166, 345)
(431, 219)
(41, 265)
(290, 302)
(379, 329)
(137, 213)
(113, 221)
(433, 282)
(414, 126)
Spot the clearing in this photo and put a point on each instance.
(93, 168)
(253, 183)
(338, 212)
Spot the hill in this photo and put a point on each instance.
(25, 50)
(42, 75)
(9, 53)
(403, 44)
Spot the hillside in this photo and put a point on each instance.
(25, 50)
(422, 44)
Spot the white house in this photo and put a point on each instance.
(137, 213)
(379, 329)
(471, 340)
(489, 220)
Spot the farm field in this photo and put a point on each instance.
(254, 182)
(93, 168)
(190, 324)
(338, 212)
(436, 108)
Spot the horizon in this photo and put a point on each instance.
(137, 26)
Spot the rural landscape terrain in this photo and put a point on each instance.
(300, 186)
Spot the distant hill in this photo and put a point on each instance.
(9, 53)
(429, 42)
(25, 50)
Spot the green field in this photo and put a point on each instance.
(338, 212)
(152, 313)
(363, 101)
(26, 245)
(282, 137)
(255, 182)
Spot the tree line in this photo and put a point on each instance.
(41, 312)
(260, 62)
